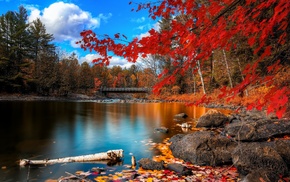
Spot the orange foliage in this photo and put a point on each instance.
(97, 84)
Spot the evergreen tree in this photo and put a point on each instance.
(41, 40)
(14, 50)
(45, 59)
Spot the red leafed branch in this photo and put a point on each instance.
(208, 26)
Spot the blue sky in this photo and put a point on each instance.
(66, 19)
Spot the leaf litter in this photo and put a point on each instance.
(199, 173)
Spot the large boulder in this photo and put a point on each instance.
(259, 159)
(203, 148)
(283, 149)
(258, 130)
(212, 118)
(177, 138)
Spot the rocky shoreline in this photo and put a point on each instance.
(98, 99)
(71, 97)
(256, 144)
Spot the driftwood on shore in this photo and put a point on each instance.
(112, 155)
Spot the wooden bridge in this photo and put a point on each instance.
(106, 90)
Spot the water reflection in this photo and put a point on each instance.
(40, 130)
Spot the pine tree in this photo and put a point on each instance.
(45, 59)
(14, 50)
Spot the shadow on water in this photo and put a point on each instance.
(46, 130)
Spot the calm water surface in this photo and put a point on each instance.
(50, 129)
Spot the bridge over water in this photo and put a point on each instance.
(106, 90)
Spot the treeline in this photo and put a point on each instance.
(31, 63)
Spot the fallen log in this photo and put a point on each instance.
(112, 155)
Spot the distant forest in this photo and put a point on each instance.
(31, 63)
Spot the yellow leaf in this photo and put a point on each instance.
(115, 177)
(150, 180)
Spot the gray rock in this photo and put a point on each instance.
(212, 118)
(181, 115)
(258, 130)
(203, 148)
(149, 164)
(253, 157)
(179, 169)
(283, 149)
(176, 138)
(162, 129)
(260, 176)
(255, 114)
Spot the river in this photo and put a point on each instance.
(53, 129)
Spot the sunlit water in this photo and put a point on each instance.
(50, 129)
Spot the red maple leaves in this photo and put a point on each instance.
(207, 27)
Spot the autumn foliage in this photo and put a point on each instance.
(198, 29)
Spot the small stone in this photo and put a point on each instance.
(162, 129)
(181, 115)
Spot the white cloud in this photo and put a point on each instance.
(105, 17)
(139, 20)
(140, 36)
(34, 12)
(118, 61)
(115, 61)
(73, 42)
(65, 20)
(155, 26)
(142, 27)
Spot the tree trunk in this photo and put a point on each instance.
(240, 68)
(228, 69)
(194, 83)
(109, 155)
(212, 67)
(201, 77)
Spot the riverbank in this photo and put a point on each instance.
(99, 99)
(155, 175)
(34, 97)
(78, 97)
